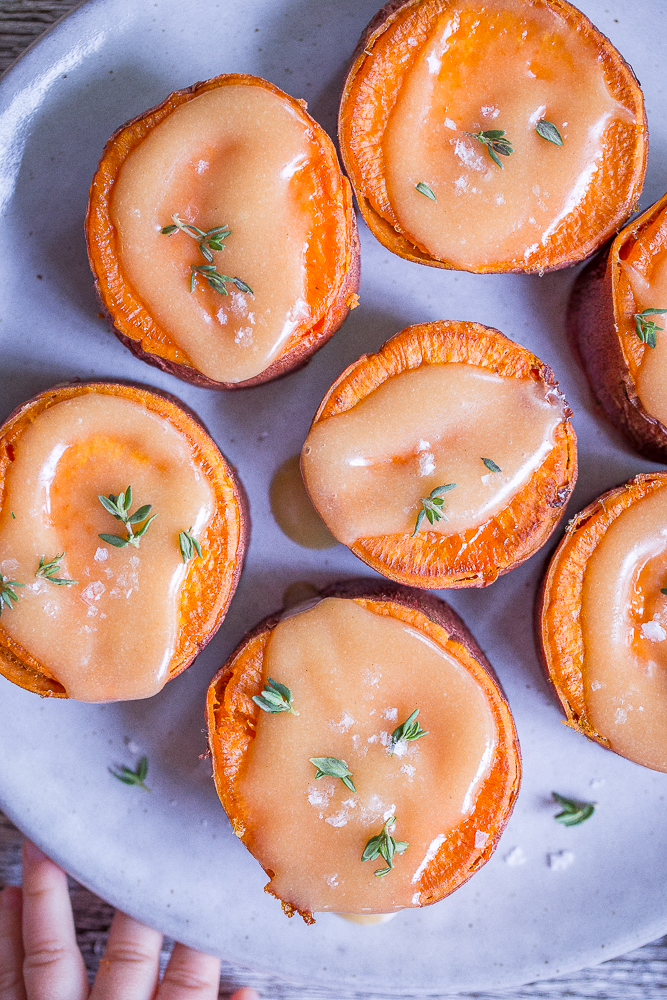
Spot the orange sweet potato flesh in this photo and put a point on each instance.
(558, 617)
(602, 331)
(131, 321)
(478, 556)
(231, 717)
(386, 50)
(210, 582)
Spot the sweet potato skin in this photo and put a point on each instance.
(225, 541)
(606, 343)
(142, 335)
(559, 636)
(432, 560)
(576, 246)
(231, 722)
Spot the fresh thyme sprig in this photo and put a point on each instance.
(130, 777)
(547, 130)
(207, 240)
(573, 812)
(275, 698)
(426, 189)
(491, 465)
(383, 845)
(119, 507)
(188, 545)
(409, 730)
(218, 282)
(7, 593)
(646, 328)
(494, 140)
(334, 768)
(47, 571)
(432, 506)
(211, 239)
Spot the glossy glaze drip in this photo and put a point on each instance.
(293, 509)
(355, 676)
(503, 66)
(241, 156)
(646, 270)
(366, 469)
(624, 619)
(112, 635)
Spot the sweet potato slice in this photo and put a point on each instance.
(604, 332)
(94, 438)
(466, 128)
(204, 161)
(238, 732)
(606, 667)
(486, 546)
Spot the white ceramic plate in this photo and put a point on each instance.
(169, 858)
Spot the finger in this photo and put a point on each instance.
(190, 975)
(53, 968)
(11, 945)
(130, 967)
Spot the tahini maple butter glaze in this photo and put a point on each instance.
(358, 663)
(124, 618)
(442, 132)
(245, 163)
(617, 335)
(444, 459)
(603, 621)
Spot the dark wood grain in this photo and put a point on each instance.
(640, 975)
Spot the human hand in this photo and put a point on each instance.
(40, 960)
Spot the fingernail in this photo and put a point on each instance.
(10, 898)
(31, 852)
(245, 993)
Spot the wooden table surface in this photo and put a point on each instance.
(641, 974)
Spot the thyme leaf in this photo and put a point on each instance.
(48, 570)
(119, 507)
(547, 130)
(188, 545)
(574, 812)
(495, 141)
(491, 465)
(409, 730)
(426, 190)
(275, 698)
(218, 282)
(7, 592)
(334, 768)
(432, 506)
(646, 328)
(383, 845)
(130, 777)
(211, 239)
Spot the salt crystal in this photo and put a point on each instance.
(560, 860)
(515, 857)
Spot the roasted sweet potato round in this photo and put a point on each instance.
(602, 621)
(616, 321)
(494, 136)
(444, 460)
(365, 717)
(122, 532)
(231, 164)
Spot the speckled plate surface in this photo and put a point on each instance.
(169, 858)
